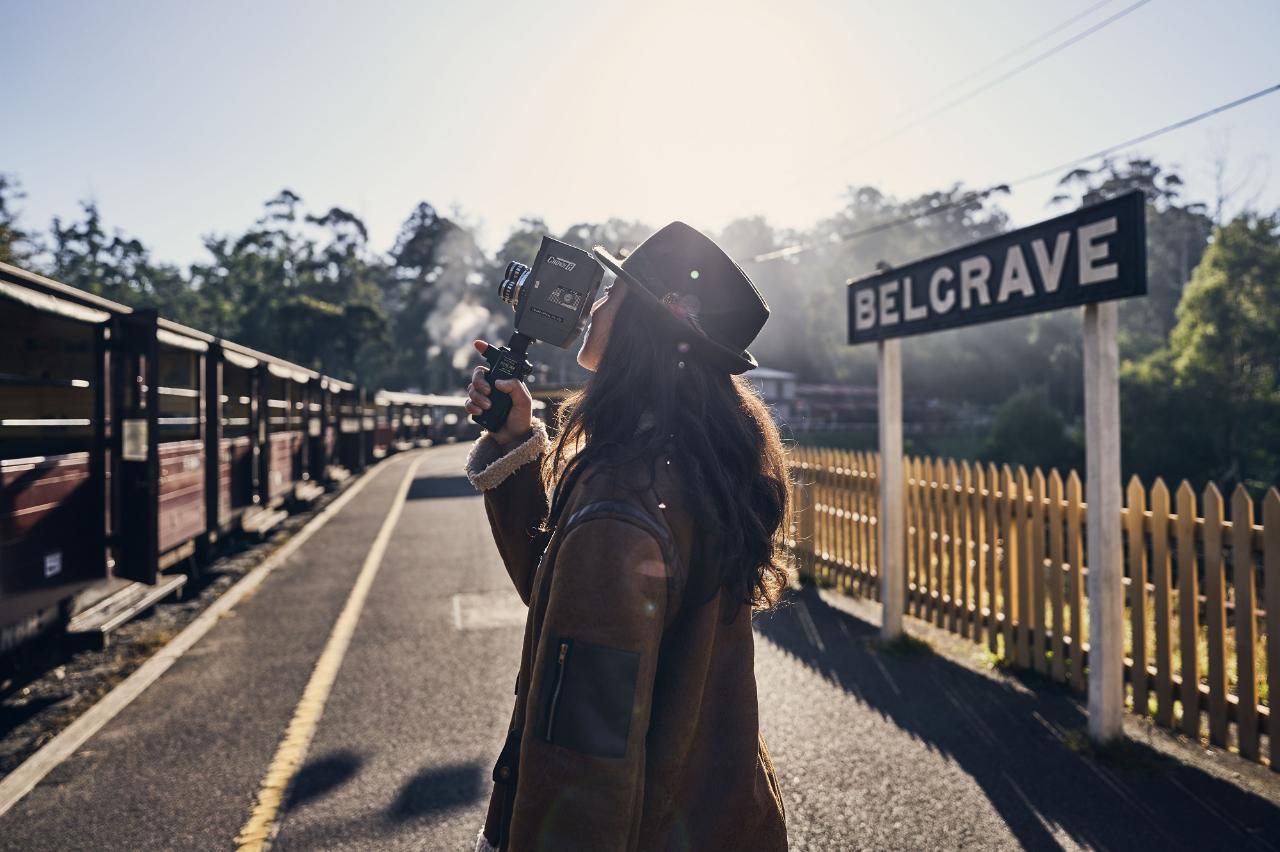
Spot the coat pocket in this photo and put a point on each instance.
(589, 697)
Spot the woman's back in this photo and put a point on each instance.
(635, 723)
(638, 718)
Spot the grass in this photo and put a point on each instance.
(828, 580)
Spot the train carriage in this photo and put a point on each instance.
(181, 516)
(53, 477)
(285, 421)
(130, 444)
(351, 436)
(232, 437)
(408, 418)
(322, 431)
(384, 425)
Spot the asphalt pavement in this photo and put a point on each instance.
(875, 749)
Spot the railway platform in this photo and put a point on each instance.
(357, 698)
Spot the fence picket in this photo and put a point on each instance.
(853, 505)
(965, 536)
(1059, 668)
(1243, 570)
(1075, 577)
(819, 513)
(1271, 586)
(854, 580)
(840, 531)
(1135, 525)
(829, 546)
(1025, 610)
(992, 525)
(942, 501)
(977, 526)
(935, 541)
(1215, 581)
(1009, 558)
(831, 540)
(870, 496)
(911, 477)
(931, 523)
(949, 549)
(1188, 609)
(857, 506)
(873, 482)
(1036, 522)
(1162, 572)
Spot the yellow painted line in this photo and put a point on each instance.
(24, 779)
(262, 825)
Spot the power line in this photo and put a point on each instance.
(995, 63)
(791, 251)
(990, 84)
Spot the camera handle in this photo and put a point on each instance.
(505, 362)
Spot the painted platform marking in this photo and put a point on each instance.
(23, 780)
(486, 610)
(292, 751)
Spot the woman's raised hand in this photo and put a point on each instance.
(520, 420)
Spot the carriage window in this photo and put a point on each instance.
(297, 405)
(279, 402)
(348, 412)
(179, 394)
(47, 377)
(237, 398)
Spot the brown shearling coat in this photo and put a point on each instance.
(635, 722)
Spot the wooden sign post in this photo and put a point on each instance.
(1102, 493)
(1089, 257)
(892, 526)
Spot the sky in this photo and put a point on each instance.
(181, 119)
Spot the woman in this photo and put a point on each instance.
(635, 724)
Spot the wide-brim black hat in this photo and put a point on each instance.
(701, 288)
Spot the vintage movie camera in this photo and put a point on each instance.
(551, 300)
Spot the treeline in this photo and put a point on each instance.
(1200, 395)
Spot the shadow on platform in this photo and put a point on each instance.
(319, 777)
(433, 791)
(1027, 750)
(435, 487)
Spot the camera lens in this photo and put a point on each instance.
(513, 283)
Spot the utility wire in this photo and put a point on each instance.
(835, 239)
(995, 63)
(1013, 72)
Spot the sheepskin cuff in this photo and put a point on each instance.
(483, 844)
(488, 466)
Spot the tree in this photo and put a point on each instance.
(17, 246)
(1208, 406)
(304, 287)
(118, 267)
(1177, 234)
(437, 298)
(1028, 430)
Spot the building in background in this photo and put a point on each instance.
(778, 389)
(821, 407)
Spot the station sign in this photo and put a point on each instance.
(1092, 254)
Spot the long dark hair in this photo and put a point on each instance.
(712, 424)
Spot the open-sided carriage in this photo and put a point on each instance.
(130, 445)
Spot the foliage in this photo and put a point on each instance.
(1028, 430)
(16, 245)
(1177, 234)
(1207, 406)
(1199, 394)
